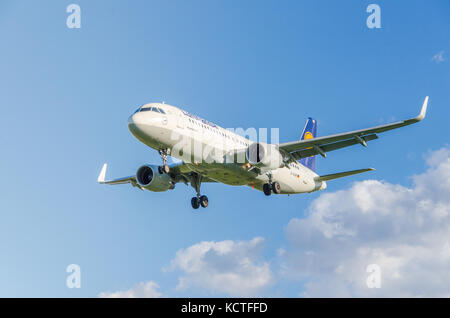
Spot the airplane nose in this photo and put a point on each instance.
(143, 124)
(130, 120)
(132, 125)
(138, 125)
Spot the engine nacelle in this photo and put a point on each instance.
(264, 155)
(150, 178)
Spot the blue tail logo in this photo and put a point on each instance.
(309, 132)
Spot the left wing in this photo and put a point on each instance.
(321, 145)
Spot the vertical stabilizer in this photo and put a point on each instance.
(309, 132)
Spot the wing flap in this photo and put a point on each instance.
(332, 146)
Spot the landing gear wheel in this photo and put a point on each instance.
(195, 202)
(204, 201)
(276, 188)
(267, 189)
(164, 169)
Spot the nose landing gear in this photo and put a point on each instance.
(164, 168)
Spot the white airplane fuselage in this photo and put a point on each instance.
(174, 126)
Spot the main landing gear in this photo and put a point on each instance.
(164, 168)
(196, 202)
(271, 186)
(199, 200)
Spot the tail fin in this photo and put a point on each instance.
(309, 132)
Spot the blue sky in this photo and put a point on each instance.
(67, 93)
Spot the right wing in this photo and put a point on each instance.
(321, 145)
(130, 179)
(185, 173)
(178, 173)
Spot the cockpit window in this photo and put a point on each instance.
(153, 109)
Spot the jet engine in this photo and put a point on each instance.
(264, 155)
(150, 178)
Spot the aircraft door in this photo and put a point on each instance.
(180, 120)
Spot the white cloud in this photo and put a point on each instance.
(231, 267)
(438, 58)
(141, 290)
(405, 230)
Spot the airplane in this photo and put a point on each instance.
(229, 158)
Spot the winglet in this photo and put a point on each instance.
(423, 111)
(102, 175)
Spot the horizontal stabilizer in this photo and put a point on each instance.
(341, 174)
